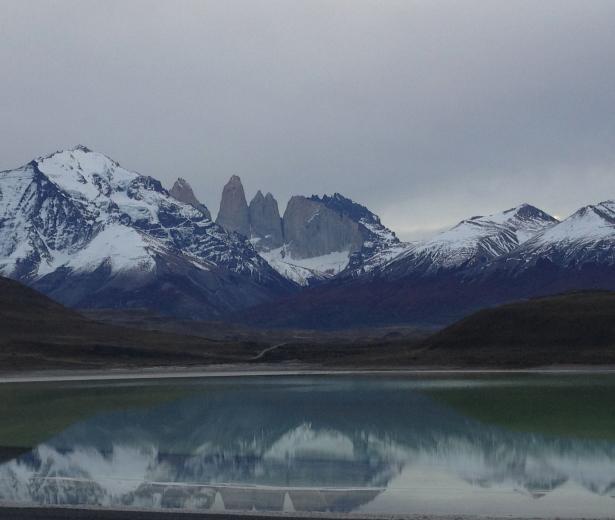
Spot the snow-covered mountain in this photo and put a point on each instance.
(89, 233)
(586, 237)
(483, 261)
(86, 231)
(473, 242)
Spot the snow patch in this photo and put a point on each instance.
(304, 270)
(122, 247)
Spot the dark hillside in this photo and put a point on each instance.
(568, 328)
(37, 333)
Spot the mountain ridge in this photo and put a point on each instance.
(84, 230)
(316, 240)
(418, 288)
(77, 216)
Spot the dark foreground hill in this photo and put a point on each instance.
(575, 328)
(38, 333)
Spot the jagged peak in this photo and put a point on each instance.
(346, 206)
(523, 211)
(589, 225)
(68, 155)
(182, 182)
(258, 197)
(335, 197)
(234, 213)
(604, 210)
(182, 191)
(520, 207)
(81, 148)
(266, 199)
(339, 196)
(527, 210)
(235, 179)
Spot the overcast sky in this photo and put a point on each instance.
(427, 112)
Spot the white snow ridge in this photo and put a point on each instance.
(475, 241)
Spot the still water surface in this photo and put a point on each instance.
(523, 445)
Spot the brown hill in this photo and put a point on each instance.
(571, 328)
(37, 332)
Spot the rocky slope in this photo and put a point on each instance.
(182, 191)
(89, 233)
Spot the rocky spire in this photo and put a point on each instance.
(234, 214)
(182, 191)
(265, 222)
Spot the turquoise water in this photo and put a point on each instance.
(523, 445)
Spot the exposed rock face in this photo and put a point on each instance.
(234, 214)
(265, 222)
(182, 191)
(331, 236)
(379, 243)
(312, 229)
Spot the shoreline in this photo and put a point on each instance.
(11, 511)
(221, 371)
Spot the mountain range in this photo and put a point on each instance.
(91, 234)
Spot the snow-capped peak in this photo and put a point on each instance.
(588, 235)
(514, 226)
(81, 147)
(592, 222)
(77, 210)
(475, 240)
(85, 174)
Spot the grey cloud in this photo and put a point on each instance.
(425, 111)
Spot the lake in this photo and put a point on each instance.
(524, 444)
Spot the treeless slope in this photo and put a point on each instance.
(568, 328)
(37, 332)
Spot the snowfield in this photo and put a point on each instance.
(304, 271)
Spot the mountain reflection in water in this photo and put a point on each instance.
(310, 445)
